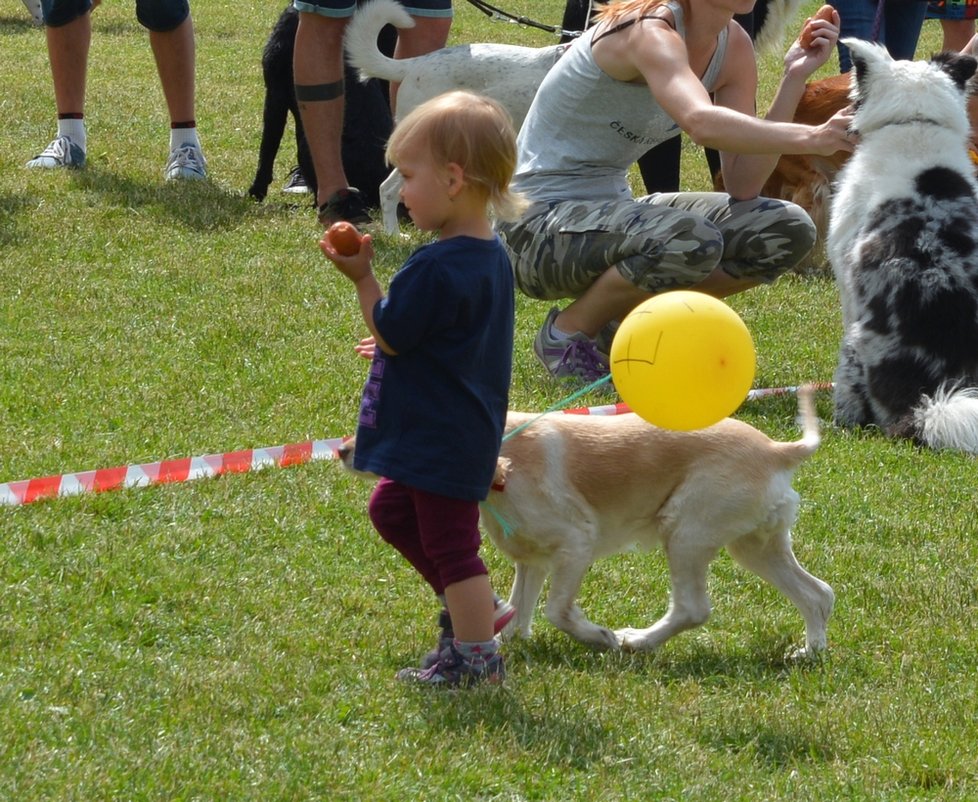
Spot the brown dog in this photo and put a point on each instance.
(574, 488)
(807, 180)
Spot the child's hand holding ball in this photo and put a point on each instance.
(344, 238)
(346, 248)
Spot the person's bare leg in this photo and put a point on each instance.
(956, 34)
(68, 47)
(317, 63)
(470, 604)
(176, 57)
(613, 296)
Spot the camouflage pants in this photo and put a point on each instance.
(659, 242)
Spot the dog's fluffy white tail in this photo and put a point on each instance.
(360, 40)
(796, 452)
(811, 433)
(949, 419)
(780, 15)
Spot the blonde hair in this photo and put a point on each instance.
(615, 11)
(472, 131)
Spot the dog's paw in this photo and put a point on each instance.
(605, 639)
(633, 640)
(805, 654)
(593, 635)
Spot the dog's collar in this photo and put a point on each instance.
(904, 121)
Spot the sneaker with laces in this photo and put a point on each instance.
(186, 163)
(452, 670)
(62, 152)
(296, 184)
(344, 204)
(576, 357)
(502, 614)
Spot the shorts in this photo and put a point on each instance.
(438, 535)
(155, 15)
(345, 8)
(659, 242)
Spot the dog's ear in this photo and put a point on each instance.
(959, 66)
(866, 56)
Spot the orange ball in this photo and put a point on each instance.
(807, 34)
(344, 238)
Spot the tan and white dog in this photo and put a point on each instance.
(571, 489)
(577, 487)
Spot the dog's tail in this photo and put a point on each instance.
(798, 451)
(360, 40)
(948, 419)
(779, 16)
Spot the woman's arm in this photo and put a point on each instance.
(749, 146)
(748, 173)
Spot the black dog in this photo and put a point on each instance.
(367, 121)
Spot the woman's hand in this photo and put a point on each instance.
(815, 43)
(835, 134)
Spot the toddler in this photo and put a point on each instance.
(434, 404)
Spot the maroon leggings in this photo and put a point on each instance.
(438, 535)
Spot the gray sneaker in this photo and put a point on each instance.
(62, 152)
(454, 671)
(502, 614)
(186, 163)
(576, 357)
(296, 183)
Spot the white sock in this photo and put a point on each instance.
(183, 136)
(557, 334)
(74, 129)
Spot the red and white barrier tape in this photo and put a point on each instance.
(187, 469)
(157, 473)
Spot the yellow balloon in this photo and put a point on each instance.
(683, 360)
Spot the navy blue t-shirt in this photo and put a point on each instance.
(432, 416)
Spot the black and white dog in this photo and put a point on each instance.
(903, 242)
(366, 127)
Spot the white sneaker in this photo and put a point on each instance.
(186, 163)
(34, 7)
(62, 152)
(296, 182)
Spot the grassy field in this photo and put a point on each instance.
(236, 639)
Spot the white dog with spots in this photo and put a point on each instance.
(903, 242)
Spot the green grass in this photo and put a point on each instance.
(237, 638)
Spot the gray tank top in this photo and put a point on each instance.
(585, 129)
